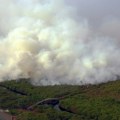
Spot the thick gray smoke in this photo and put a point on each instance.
(43, 40)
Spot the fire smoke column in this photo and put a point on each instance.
(44, 42)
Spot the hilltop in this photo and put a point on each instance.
(90, 102)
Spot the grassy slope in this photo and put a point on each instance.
(98, 102)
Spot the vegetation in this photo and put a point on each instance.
(93, 102)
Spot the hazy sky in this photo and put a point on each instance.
(97, 10)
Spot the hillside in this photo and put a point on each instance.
(91, 102)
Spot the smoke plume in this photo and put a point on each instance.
(43, 40)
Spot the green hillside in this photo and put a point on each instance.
(91, 102)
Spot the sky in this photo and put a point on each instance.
(102, 15)
(97, 10)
